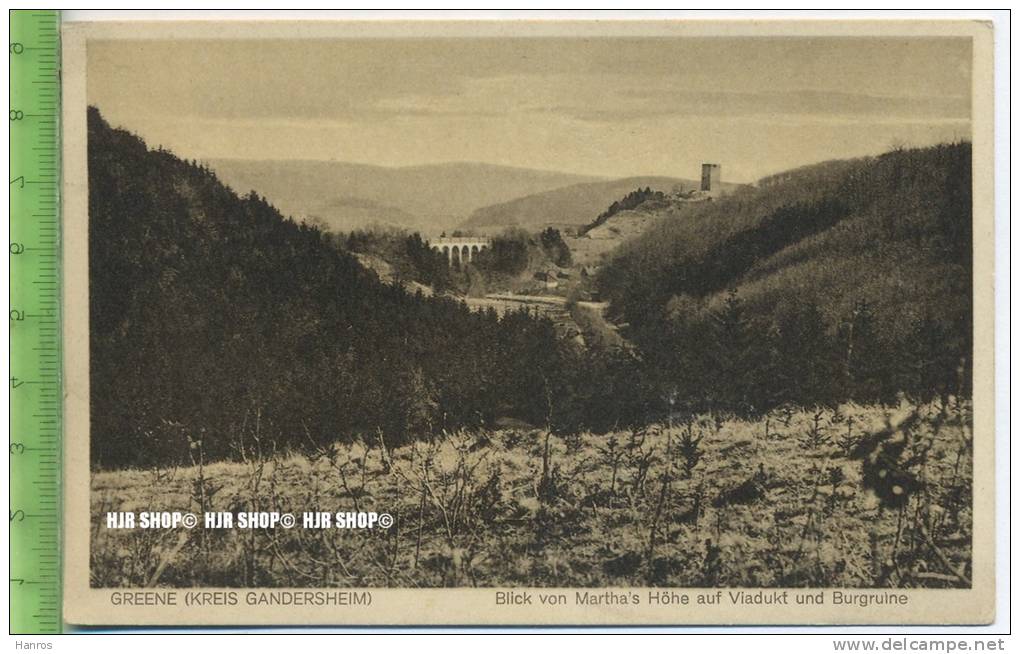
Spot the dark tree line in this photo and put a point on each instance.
(729, 358)
(411, 257)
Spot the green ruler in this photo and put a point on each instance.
(35, 347)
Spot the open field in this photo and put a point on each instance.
(590, 251)
(857, 497)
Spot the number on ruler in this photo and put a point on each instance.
(33, 54)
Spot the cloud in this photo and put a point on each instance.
(604, 106)
(590, 79)
(624, 99)
(807, 104)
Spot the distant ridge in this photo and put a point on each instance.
(576, 204)
(342, 195)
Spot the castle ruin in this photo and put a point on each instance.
(711, 179)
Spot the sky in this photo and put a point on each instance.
(613, 107)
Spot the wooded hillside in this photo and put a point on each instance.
(218, 325)
(844, 279)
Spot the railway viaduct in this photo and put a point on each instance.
(460, 249)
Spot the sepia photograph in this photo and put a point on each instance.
(643, 317)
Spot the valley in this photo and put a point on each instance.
(583, 312)
(392, 203)
(763, 386)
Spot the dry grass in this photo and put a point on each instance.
(712, 502)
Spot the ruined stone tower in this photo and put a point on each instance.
(711, 176)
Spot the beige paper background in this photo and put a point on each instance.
(468, 606)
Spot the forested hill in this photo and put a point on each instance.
(849, 278)
(217, 326)
(576, 204)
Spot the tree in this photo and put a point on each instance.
(801, 356)
(736, 354)
(555, 247)
(863, 360)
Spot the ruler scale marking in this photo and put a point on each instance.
(34, 345)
